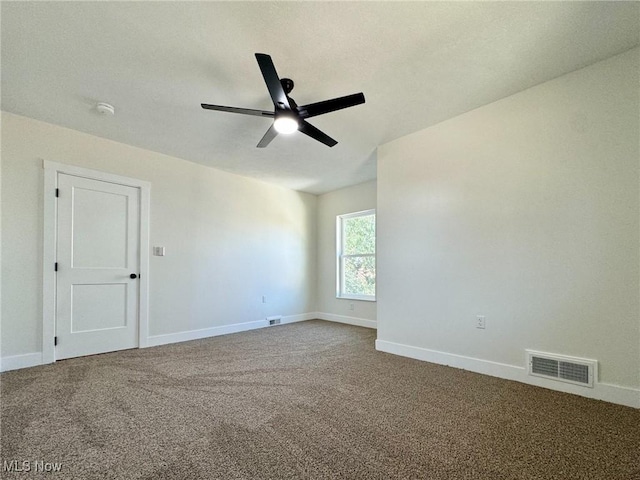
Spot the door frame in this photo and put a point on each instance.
(51, 171)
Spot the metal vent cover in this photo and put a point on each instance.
(579, 371)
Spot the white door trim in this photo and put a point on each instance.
(51, 170)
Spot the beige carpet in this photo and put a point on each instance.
(307, 400)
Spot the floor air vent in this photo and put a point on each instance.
(579, 371)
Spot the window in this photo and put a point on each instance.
(356, 252)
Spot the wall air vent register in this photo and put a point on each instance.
(579, 371)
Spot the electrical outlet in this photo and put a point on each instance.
(352, 307)
(264, 299)
(481, 322)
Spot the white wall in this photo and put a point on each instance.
(229, 240)
(526, 211)
(346, 200)
(0, 247)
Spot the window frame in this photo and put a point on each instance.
(340, 256)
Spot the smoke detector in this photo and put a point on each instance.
(105, 109)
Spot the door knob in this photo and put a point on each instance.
(133, 275)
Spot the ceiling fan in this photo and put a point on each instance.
(288, 116)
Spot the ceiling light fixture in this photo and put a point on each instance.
(285, 124)
(105, 109)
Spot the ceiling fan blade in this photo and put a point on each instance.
(272, 80)
(332, 105)
(266, 139)
(316, 134)
(244, 111)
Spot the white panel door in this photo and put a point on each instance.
(97, 255)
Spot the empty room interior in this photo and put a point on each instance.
(289, 240)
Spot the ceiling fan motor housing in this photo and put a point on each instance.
(287, 84)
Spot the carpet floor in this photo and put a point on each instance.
(311, 400)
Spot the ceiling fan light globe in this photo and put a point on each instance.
(285, 124)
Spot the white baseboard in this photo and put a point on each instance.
(601, 391)
(155, 340)
(298, 318)
(359, 322)
(21, 361)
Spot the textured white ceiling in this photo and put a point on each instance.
(418, 63)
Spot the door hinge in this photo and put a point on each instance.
(55, 341)
(57, 192)
(55, 267)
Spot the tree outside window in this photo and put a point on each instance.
(356, 246)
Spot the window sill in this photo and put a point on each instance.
(356, 297)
